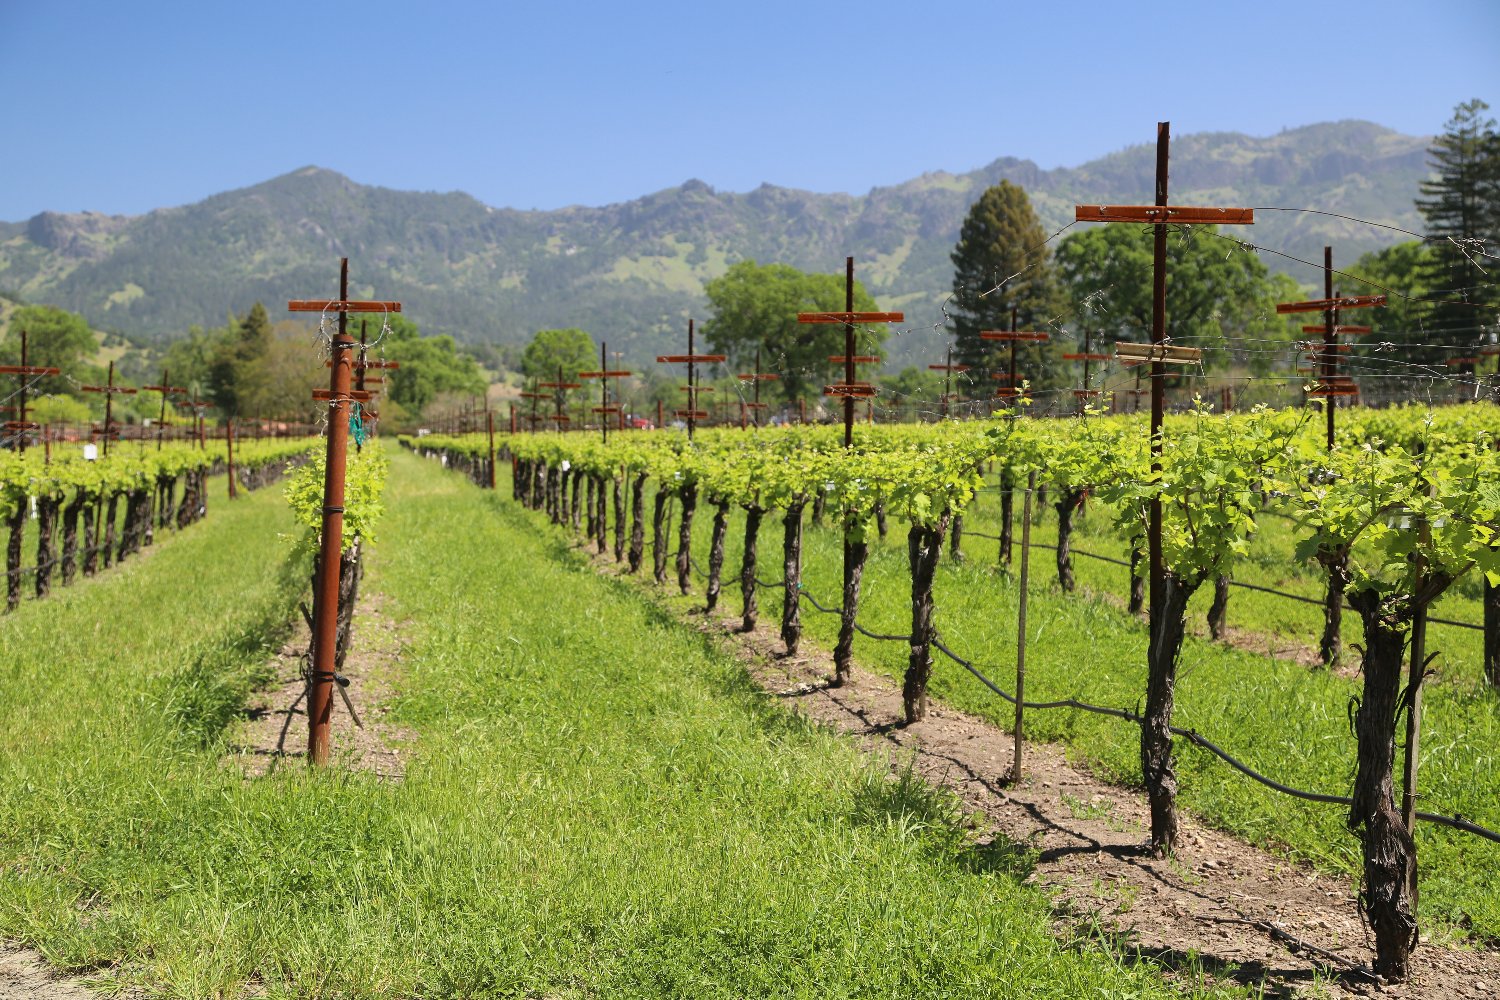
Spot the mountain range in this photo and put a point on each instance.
(631, 273)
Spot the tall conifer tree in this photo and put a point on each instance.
(1461, 204)
(1000, 262)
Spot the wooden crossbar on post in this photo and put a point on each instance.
(947, 368)
(24, 373)
(850, 389)
(692, 414)
(604, 374)
(1013, 337)
(110, 390)
(755, 378)
(1329, 306)
(561, 386)
(338, 395)
(167, 390)
(1087, 357)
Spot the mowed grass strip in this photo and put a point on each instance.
(599, 805)
(1286, 720)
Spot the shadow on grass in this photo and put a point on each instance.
(203, 696)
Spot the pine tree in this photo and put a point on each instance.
(1461, 205)
(1001, 262)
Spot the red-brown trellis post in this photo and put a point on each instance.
(692, 360)
(1012, 388)
(1156, 737)
(24, 373)
(755, 378)
(1087, 356)
(855, 552)
(167, 390)
(195, 407)
(561, 386)
(850, 389)
(948, 368)
(326, 597)
(533, 418)
(1330, 387)
(604, 374)
(110, 390)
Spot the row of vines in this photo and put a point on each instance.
(1405, 506)
(90, 513)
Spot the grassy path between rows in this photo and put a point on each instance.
(1284, 719)
(599, 804)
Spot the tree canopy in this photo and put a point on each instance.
(1214, 290)
(55, 338)
(1001, 263)
(569, 350)
(1461, 204)
(755, 306)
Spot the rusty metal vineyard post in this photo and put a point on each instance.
(1156, 738)
(855, 551)
(1086, 357)
(692, 414)
(167, 390)
(948, 368)
(110, 390)
(561, 386)
(756, 378)
(1014, 336)
(326, 596)
(850, 389)
(604, 374)
(24, 373)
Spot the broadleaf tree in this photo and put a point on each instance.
(756, 305)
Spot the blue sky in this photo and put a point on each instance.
(123, 108)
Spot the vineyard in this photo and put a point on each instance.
(830, 704)
(1257, 727)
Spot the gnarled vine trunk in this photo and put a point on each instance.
(110, 507)
(1168, 623)
(1137, 578)
(1390, 854)
(1218, 610)
(1067, 503)
(855, 553)
(46, 556)
(924, 545)
(637, 523)
(16, 522)
(1331, 644)
(70, 537)
(1491, 634)
(1007, 514)
(753, 515)
(659, 538)
(619, 504)
(716, 555)
(591, 511)
(956, 538)
(791, 574)
(90, 537)
(689, 495)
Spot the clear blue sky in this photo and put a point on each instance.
(125, 107)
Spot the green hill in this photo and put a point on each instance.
(632, 272)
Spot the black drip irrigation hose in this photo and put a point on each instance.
(1197, 739)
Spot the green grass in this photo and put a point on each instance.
(600, 803)
(1285, 720)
